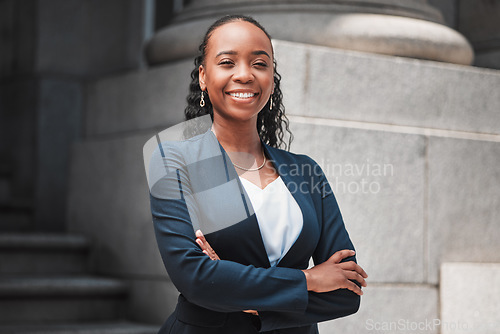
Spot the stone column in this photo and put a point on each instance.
(479, 22)
(408, 28)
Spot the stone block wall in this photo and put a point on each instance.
(466, 305)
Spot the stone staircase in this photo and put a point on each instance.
(15, 215)
(45, 288)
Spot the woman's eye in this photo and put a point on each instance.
(226, 62)
(261, 64)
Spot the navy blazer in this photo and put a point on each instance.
(213, 294)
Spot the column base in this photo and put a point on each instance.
(374, 33)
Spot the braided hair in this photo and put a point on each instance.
(271, 123)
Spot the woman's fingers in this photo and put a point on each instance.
(207, 250)
(200, 235)
(352, 275)
(354, 288)
(353, 266)
(210, 251)
(337, 257)
(341, 254)
(334, 274)
(205, 246)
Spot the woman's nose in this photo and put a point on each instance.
(243, 74)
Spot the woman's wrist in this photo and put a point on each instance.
(307, 274)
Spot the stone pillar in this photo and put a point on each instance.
(408, 28)
(479, 22)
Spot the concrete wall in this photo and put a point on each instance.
(410, 147)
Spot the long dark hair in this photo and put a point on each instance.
(271, 124)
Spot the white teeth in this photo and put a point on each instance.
(242, 95)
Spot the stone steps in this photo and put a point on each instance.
(16, 216)
(45, 287)
(121, 327)
(52, 299)
(5, 187)
(42, 254)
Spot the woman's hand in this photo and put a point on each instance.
(205, 246)
(207, 249)
(332, 274)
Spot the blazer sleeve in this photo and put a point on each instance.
(334, 237)
(223, 286)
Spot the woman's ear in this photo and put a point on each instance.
(201, 77)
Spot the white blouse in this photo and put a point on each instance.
(279, 216)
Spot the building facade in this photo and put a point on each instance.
(397, 100)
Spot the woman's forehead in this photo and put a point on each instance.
(239, 36)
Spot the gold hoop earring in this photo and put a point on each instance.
(202, 101)
(271, 103)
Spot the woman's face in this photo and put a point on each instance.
(238, 72)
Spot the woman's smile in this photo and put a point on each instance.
(243, 96)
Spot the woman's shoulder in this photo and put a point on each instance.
(188, 146)
(300, 163)
(186, 137)
(177, 154)
(291, 156)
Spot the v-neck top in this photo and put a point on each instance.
(278, 214)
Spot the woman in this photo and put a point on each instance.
(264, 211)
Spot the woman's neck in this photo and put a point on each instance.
(241, 137)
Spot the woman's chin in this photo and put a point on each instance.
(239, 113)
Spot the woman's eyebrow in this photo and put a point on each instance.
(226, 53)
(261, 52)
(231, 52)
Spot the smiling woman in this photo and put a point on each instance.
(271, 125)
(263, 224)
(238, 72)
